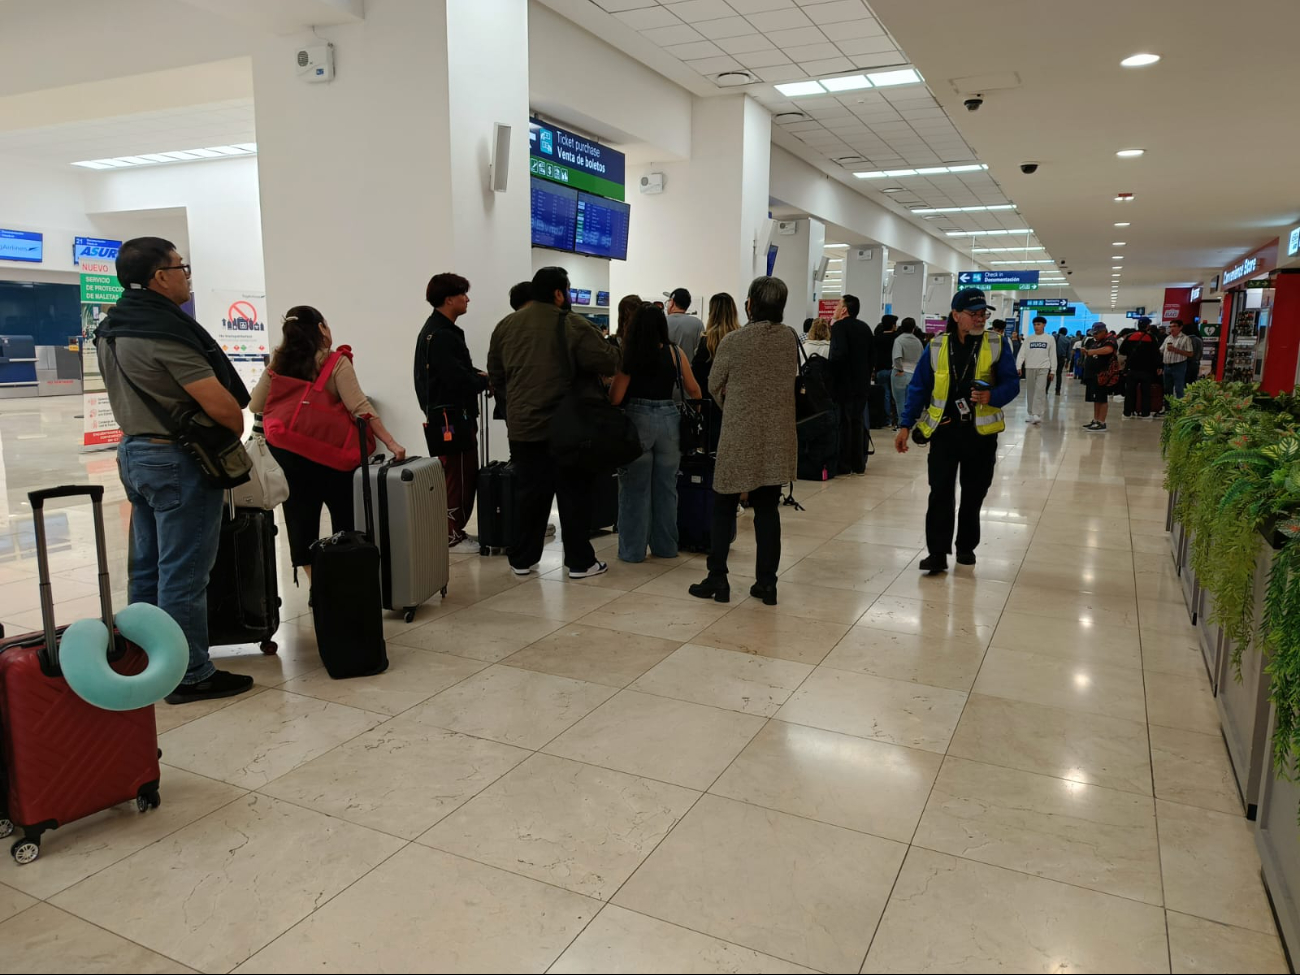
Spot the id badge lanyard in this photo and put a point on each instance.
(963, 405)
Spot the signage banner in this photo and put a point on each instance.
(936, 326)
(1044, 303)
(95, 248)
(826, 308)
(574, 160)
(1170, 311)
(242, 332)
(1252, 265)
(992, 279)
(99, 291)
(22, 245)
(1067, 311)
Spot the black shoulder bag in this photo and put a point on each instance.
(692, 417)
(811, 399)
(217, 450)
(587, 431)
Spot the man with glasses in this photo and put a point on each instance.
(525, 359)
(158, 363)
(955, 402)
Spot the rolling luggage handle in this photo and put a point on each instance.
(37, 499)
(366, 502)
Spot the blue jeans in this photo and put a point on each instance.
(1175, 379)
(898, 386)
(647, 487)
(884, 379)
(175, 530)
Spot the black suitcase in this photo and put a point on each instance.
(243, 590)
(876, 406)
(695, 502)
(346, 596)
(604, 503)
(498, 490)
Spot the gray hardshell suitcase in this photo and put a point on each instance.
(410, 530)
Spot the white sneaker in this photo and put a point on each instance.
(550, 531)
(467, 545)
(1036, 420)
(597, 569)
(524, 572)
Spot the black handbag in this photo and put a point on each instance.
(811, 399)
(450, 430)
(692, 417)
(587, 431)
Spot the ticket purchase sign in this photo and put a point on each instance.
(574, 160)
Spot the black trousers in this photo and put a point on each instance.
(958, 453)
(1137, 393)
(766, 502)
(853, 454)
(540, 480)
(312, 485)
(1060, 372)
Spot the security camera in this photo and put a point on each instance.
(1069, 272)
(1062, 263)
(973, 104)
(1028, 168)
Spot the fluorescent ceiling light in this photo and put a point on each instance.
(178, 155)
(1118, 243)
(245, 146)
(1117, 267)
(987, 233)
(1123, 225)
(204, 153)
(1124, 199)
(997, 206)
(1140, 60)
(973, 168)
(793, 89)
(1130, 153)
(157, 157)
(849, 83)
(932, 170)
(887, 79)
(1047, 261)
(227, 150)
(93, 164)
(900, 172)
(837, 245)
(1117, 257)
(927, 171)
(1002, 250)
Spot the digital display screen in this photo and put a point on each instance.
(580, 296)
(555, 215)
(94, 248)
(602, 227)
(602, 299)
(22, 245)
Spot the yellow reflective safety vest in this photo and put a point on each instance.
(988, 419)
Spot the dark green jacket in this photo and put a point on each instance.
(524, 359)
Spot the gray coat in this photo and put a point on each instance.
(752, 380)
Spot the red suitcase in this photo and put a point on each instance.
(65, 758)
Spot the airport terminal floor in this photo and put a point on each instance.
(1012, 767)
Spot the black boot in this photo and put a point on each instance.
(713, 587)
(934, 564)
(767, 593)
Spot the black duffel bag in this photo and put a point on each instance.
(587, 431)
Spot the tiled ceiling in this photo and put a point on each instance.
(192, 127)
(901, 127)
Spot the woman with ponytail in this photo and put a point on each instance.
(305, 346)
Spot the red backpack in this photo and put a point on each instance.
(309, 420)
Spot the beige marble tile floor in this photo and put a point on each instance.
(1012, 768)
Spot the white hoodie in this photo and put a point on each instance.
(1037, 352)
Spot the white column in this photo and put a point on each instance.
(864, 277)
(908, 298)
(938, 295)
(700, 233)
(797, 257)
(374, 182)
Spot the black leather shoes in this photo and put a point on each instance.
(765, 593)
(965, 558)
(934, 564)
(716, 589)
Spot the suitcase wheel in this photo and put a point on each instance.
(150, 800)
(409, 614)
(444, 590)
(485, 550)
(25, 850)
(270, 646)
(6, 828)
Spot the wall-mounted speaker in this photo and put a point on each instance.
(499, 170)
(787, 228)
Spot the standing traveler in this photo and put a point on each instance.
(1100, 364)
(1036, 358)
(882, 356)
(448, 386)
(521, 294)
(303, 352)
(955, 402)
(1063, 346)
(1142, 359)
(684, 329)
(159, 362)
(524, 359)
(643, 386)
(1178, 352)
(1193, 332)
(851, 359)
(723, 320)
(908, 351)
(819, 339)
(753, 380)
(819, 436)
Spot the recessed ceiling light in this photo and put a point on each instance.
(888, 79)
(1124, 198)
(1129, 153)
(1117, 267)
(1118, 243)
(987, 233)
(1123, 225)
(1117, 257)
(892, 189)
(849, 83)
(793, 89)
(1140, 60)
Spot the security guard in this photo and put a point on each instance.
(955, 401)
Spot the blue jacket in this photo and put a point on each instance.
(921, 389)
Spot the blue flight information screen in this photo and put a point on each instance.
(602, 227)
(555, 215)
(22, 245)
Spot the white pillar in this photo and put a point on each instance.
(908, 298)
(797, 258)
(938, 296)
(700, 233)
(374, 182)
(864, 277)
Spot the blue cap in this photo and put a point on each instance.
(970, 299)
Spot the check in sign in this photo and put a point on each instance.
(999, 280)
